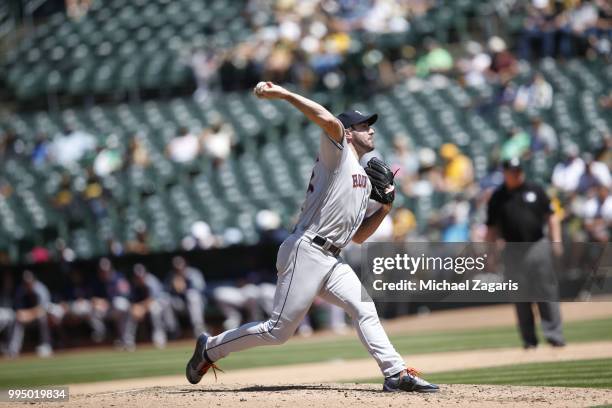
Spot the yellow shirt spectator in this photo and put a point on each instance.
(458, 169)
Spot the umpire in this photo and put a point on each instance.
(518, 212)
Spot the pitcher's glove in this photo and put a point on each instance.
(381, 177)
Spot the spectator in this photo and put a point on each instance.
(595, 174)
(109, 158)
(183, 148)
(567, 173)
(583, 18)
(94, 195)
(147, 299)
(538, 28)
(70, 146)
(137, 154)
(516, 146)
(503, 62)
(474, 67)
(404, 222)
(458, 171)
(436, 60)
(32, 300)
(110, 300)
(204, 65)
(543, 136)
(538, 94)
(64, 199)
(597, 214)
(218, 141)
(40, 151)
(186, 286)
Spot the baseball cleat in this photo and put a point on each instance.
(556, 343)
(199, 365)
(408, 380)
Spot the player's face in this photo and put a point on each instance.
(363, 137)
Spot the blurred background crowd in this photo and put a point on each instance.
(128, 128)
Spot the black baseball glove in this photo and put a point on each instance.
(381, 177)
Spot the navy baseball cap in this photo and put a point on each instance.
(512, 164)
(350, 118)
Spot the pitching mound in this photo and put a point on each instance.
(342, 396)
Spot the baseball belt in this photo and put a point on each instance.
(326, 244)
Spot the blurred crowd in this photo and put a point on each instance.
(111, 306)
(330, 44)
(580, 187)
(566, 28)
(76, 167)
(306, 42)
(580, 182)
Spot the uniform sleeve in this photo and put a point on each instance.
(493, 210)
(330, 151)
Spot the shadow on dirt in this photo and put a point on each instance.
(276, 388)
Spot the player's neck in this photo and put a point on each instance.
(355, 152)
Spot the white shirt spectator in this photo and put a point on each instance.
(184, 149)
(546, 136)
(583, 17)
(106, 162)
(218, 143)
(67, 149)
(538, 95)
(566, 175)
(593, 208)
(602, 173)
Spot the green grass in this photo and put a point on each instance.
(579, 373)
(92, 366)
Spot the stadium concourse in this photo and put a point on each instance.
(128, 128)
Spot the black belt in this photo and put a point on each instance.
(326, 244)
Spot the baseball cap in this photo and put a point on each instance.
(512, 164)
(353, 117)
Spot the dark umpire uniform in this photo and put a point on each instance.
(517, 212)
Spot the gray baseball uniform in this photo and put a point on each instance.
(334, 208)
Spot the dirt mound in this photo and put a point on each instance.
(342, 396)
(354, 370)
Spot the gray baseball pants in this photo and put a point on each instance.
(305, 271)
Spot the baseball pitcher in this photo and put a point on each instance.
(308, 264)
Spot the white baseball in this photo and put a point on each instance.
(260, 87)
